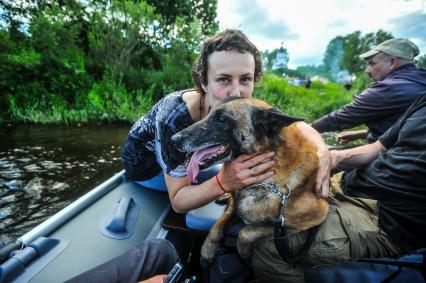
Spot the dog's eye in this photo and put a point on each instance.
(221, 118)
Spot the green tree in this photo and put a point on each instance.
(309, 71)
(355, 44)
(96, 57)
(172, 10)
(333, 55)
(421, 61)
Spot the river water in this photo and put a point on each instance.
(44, 168)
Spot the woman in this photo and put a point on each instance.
(228, 65)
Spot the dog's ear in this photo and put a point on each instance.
(270, 121)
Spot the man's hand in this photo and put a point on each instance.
(345, 137)
(357, 156)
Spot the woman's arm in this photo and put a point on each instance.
(233, 175)
(322, 182)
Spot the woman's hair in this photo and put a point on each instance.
(229, 39)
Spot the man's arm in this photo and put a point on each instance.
(357, 156)
(367, 106)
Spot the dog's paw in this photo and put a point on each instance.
(208, 252)
(243, 249)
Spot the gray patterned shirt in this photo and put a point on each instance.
(148, 149)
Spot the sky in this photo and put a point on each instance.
(306, 26)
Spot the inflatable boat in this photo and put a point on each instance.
(118, 214)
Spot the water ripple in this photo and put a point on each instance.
(43, 169)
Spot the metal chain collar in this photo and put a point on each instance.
(275, 191)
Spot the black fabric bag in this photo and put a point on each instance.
(228, 266)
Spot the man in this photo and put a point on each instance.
(397, 83)
(381, 212)
(149, 261)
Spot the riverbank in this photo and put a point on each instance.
(115, 105)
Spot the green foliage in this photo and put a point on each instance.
(421, 61)
(82, 61)
(361, 82)
(204, 10)
(308, 71)
(343, 52)
(310, 103)
(355, 44)
(333, 56)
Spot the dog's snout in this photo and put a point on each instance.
(177, 139)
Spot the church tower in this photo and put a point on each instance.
(281, 59)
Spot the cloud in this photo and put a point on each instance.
(413, 26)
(340, 23)
(306, 26)
(254, 20)
(313, 59)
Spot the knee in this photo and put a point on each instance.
(269, 267)
(157, 254)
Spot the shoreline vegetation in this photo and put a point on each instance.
(122, 107)
(85, 62)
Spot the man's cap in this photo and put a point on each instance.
(396, 47)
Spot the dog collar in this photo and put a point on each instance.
(275, 191)
(284, 197)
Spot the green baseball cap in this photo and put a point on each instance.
(396, 47)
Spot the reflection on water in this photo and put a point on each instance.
(43, 169)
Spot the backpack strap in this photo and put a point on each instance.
(281, 235)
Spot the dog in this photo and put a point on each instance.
(247, 126)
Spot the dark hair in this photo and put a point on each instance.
(229, 39)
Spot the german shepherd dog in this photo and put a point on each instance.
(247, 126)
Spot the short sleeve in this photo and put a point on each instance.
(171, 118)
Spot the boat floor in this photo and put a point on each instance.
(88, 247)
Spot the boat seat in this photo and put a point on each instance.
(204, 217)
(197, 221)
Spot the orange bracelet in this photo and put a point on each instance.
(220, 185)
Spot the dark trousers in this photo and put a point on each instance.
(144, 261)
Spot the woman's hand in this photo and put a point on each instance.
(246, 170)
(325, 164)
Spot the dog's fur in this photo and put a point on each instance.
(247, 126)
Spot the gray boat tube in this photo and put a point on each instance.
(61, 217)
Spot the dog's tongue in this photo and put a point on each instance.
(193, 168)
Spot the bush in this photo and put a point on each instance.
(310, 103)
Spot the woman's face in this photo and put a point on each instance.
(230, 73)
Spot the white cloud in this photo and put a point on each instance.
(307, 26)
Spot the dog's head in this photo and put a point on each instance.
(232, 128)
